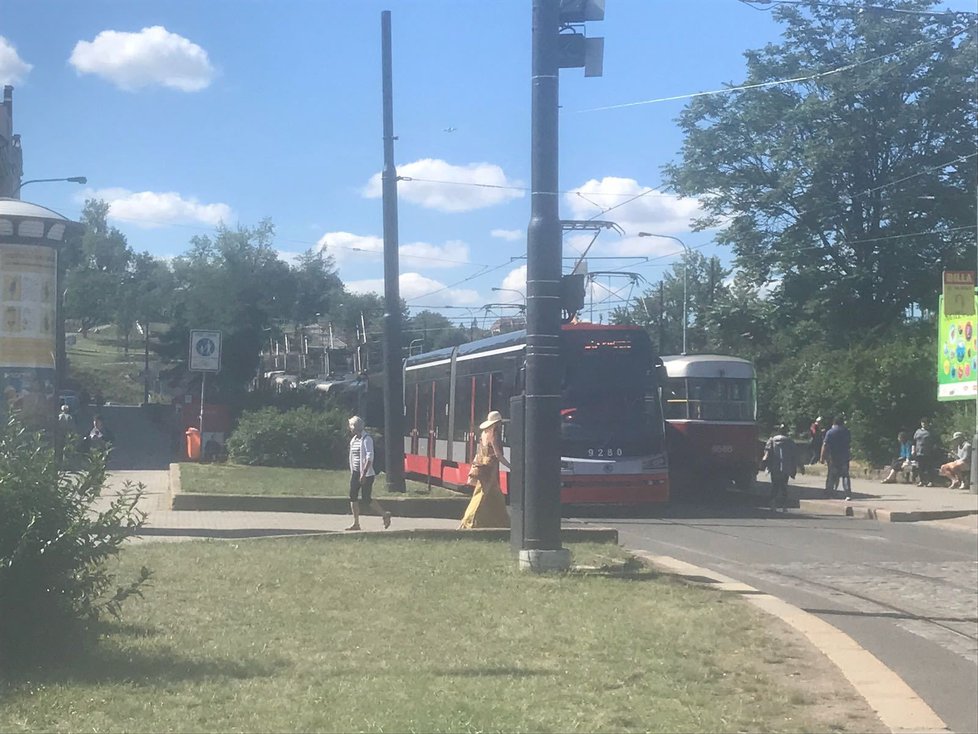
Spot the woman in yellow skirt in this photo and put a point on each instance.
(487, 508)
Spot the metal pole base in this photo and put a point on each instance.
(545, 561)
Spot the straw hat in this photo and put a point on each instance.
(492, 419)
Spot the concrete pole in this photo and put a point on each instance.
(541, 544)
(393, 380)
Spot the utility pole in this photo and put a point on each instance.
(541, 546)
(393, 381)
(146, 362)
(662, 310)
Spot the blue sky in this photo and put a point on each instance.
(185, 113)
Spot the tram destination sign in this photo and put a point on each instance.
(205, 351)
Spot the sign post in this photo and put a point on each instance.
(205, 356)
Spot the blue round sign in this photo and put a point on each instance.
(206, 347)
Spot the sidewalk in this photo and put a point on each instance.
(873, 500)
(162, 523)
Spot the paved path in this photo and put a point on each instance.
(807, 492)
(164, 523)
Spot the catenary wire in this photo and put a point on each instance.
(775, 82)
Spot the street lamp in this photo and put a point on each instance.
(70, 179)
(685, 265)
(511, 290)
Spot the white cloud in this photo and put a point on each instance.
(515, 280)
(655, 212)
(510, 235)
(343, 246)
(13, 69)
(421, 254)
(151, 209)
(154, 56)
(414, 288)
(474, 186)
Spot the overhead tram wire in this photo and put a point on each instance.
(776, 82)
(771, 4)
(475, 184)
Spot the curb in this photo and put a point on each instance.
(443, 508)
(173, 486)
(896, 704)
(862, 512)
(568, 535)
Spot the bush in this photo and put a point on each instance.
(54, 548)
(294, 438)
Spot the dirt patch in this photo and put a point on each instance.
(814, 682)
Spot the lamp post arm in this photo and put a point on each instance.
(71, 179)
(686, 253)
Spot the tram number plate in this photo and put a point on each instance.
(604, 453)
(725, 448)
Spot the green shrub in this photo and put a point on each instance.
(294, 438)
(55, 542)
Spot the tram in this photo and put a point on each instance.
(711, 418)
(612, 429)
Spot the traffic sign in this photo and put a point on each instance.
(205, 351)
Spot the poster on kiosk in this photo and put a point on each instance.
(957, 356)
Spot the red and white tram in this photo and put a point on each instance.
(612, 430)
(711, 416)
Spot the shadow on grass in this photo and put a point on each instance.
(106, 663)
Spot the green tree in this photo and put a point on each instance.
(660, 308)
(318, 289)
(850, 189)
(429, 330)
(235, 283)
(96, 271)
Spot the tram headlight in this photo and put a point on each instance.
(658, 461)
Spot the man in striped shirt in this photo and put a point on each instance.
(362, 474)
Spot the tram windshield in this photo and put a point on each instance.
(609, 397)
(711, 399)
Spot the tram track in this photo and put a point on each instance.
(909, 614)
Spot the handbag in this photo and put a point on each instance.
(476, 472)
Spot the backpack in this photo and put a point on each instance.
(781, 457)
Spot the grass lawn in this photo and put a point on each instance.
(272, 481)
(343, 634)
(100, 364)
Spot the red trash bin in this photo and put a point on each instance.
(193, 444)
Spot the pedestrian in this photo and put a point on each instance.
(487, 508)
(781, 461)
(362, 473)
(925, 454)
(66, 421)
(99, 437)
(836, 453)
(815, 437)
(902, 462)
(959, 468)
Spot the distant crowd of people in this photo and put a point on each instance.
(919, 457)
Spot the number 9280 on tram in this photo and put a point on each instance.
(612, 433)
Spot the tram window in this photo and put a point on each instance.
(725, 399)
(502, 391)
(675, 399)
(424, 408)
(441, 407)
(481, 398)
(463, 407)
